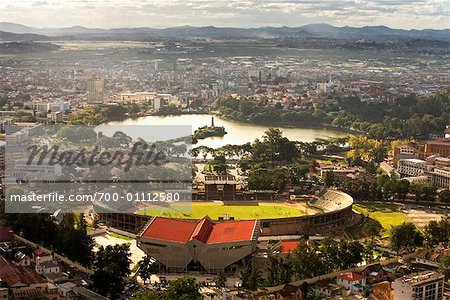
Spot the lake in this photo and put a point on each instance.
(237, 132)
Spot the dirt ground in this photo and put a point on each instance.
(105, 240)
(422, 216)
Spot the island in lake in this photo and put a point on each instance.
(208, 131)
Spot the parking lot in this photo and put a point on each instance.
(105, 240)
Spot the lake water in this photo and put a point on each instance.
(237, 132)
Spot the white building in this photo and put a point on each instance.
(59, 106)
(417, 179)
(411, 167)
(47, 267)
(42, 106)
(440, 177)
(55, 116)
(24, 170)
(351, 281)
(427, 285)
(157, 100)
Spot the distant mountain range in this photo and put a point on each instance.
(20, 37)
(143, 33)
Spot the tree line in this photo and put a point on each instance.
(68, 238)
(405, 117)
(385, 188)
(306, 261)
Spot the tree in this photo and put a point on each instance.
(401, 188)
(357, 188)
(111, 265)
(123, 139)
(147, 267)
(274, 148)
(268, 179)
(405, 237)
(349, 254)
(307, 263)
(219, 164)
(423, 192)
(444, 265)
(287, 271)
(274, 270)
(444, 196)
(150, 295)
(297, 173)
(372, 229)
(183, 288)
(220, 280)
(196, 103)
(368, 149)
(329, 179)
(438, 232)
(73, 240)
(251, 278)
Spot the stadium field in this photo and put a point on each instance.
(239, 212)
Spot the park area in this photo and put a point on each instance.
(393, 214)
(387, 214)
(198, 210)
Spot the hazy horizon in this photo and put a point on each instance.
(106, 14)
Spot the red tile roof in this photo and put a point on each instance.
(288, 246)
(232, 232)
(6, 234)
(40, 253)
(14, 275)
(204, 230)
(173, 230)
(443, 142)
(351, 276)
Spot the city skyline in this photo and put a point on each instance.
(401, 14)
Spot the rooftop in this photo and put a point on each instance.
(441, 142)
(14, 275)
(288, 246)
(421, 277)
(351, 276)
(414, 160)
(204, 230)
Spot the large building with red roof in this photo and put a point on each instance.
(177, 243)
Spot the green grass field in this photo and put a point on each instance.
(387, 214)
(119, 236)
(215, 210)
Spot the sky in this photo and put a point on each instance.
(405, 14)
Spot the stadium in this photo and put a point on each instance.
(222, 235)
(212, 235)
(328, 211)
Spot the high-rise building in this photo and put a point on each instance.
(427, 285)
(95, 90)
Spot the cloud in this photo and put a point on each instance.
(227, 13)
(39, 3)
